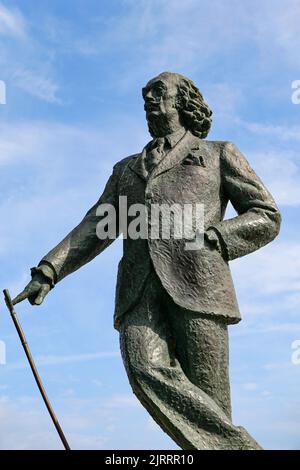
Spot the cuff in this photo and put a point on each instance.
(47, 271)
(213, 234)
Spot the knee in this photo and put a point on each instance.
(141, 369)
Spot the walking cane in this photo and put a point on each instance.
(13, 314)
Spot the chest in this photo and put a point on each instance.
(195, 178)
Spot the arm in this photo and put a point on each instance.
(82, 244)
(258, 220)
(79, 247)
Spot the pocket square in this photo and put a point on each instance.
(193, 159)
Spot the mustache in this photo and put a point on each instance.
(151, 106)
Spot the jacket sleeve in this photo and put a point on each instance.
(82, 244)
(258, 220)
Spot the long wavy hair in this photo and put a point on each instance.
(194, 111)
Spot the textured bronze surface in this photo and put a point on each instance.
(173, 305)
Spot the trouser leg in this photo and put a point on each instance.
(176, 402)
(201, 346)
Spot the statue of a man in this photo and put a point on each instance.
(173, 305)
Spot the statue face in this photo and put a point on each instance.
(160, 101)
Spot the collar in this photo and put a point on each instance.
(172, 139)
(175, 137)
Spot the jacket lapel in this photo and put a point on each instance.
(137, 165)
(172, 158)
(176, 154)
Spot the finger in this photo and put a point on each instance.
(42, 294)
(20, 297)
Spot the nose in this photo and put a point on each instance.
(149, 96)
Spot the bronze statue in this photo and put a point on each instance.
(173, 305)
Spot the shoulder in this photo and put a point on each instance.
(215, 145)
(233, 160)
(122, 164)
(213, 149)
(230, 156)
(220, 145)
(227, 150)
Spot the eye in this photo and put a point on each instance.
(158, 90)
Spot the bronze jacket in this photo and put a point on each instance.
(193, 171)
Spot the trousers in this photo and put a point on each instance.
(177, 363)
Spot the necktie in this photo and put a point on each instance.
(155, 153)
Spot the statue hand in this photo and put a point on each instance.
(35, 291)
(212, 238)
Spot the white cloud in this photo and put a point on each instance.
(269, 328)
(66, 359)
(280, 171)
(118, 422)
(250, 386)
(267, 284)
(25, 425)
(37, 85)
(12, 22)
(279, 365)
(64, 146)
(181, 36)
(288, 28)
(277, 414)
(185, 36)
(224, 100)
(285, 133)
(275, 269)
(27, 64)
(122, 400)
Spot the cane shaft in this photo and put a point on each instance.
(33, 368)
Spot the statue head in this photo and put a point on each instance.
(173, 101)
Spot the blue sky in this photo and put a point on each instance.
(74, 72)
